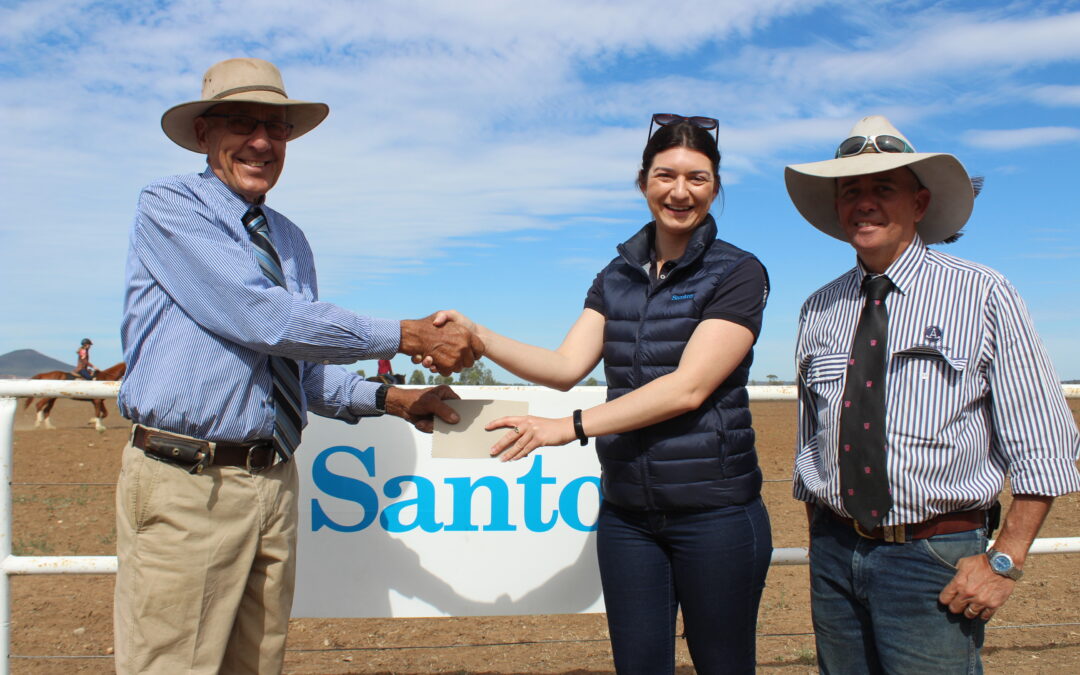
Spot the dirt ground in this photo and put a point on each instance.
(62, 624)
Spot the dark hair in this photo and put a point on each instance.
(681, 134)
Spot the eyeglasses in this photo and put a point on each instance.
(882, 143)
(246, 124)
(665, 119)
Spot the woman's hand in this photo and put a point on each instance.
(529, 433)
(442, 316)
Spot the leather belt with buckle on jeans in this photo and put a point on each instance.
(946, 523)
(195, 455)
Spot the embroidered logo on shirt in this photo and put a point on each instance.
(682, 297)
(932, 334)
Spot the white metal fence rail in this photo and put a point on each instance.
(12, 564)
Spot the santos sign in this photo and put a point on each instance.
(387, 530)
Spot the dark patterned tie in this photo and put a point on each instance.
(864, 483)
(285, 373)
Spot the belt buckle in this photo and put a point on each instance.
(894, 534)
(247, 460)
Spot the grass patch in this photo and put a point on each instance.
(806, 657)
(31, 547)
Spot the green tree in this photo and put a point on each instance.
(477, 374)
(442, 379)
(417, 377)
(591, 382)
(773, 379)
(360, 372)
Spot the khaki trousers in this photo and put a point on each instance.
(207, 567)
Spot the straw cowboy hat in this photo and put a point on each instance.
(244, 80)
(812, 187)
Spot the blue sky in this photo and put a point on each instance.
(481, 155)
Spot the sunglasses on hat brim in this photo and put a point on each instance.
(856, 145)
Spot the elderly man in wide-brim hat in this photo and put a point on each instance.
(228, 351)
(922, 386)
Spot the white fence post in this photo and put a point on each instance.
(7, 431)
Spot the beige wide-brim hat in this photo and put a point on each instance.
(812, 187)
(243, 80)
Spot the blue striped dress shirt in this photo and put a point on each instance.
(200, 319)
(971, 395)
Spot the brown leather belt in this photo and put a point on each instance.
(195, 454)
(946, 523)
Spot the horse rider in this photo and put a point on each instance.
(84, 368)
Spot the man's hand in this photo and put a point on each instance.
(450, 347)
(976, 590)
(441, 318)
(419, 406)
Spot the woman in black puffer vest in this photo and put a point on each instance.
(674, 318)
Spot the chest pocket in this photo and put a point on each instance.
(928, 374)
(825, 369)
(824, 377)
(927, 361)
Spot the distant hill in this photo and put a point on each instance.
(27, 362)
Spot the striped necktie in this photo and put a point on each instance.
(864, 481)
(286, 375)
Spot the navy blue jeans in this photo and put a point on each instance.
(712, 563)
(875, 604)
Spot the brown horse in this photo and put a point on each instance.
(44, 405)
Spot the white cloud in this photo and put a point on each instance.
(936, 47)
(1014, 139)
(1057, 94)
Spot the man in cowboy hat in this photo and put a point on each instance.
(922, 385)
(228, 349)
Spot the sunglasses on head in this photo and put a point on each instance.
(246, 124)
(665, 119)
(881, 143)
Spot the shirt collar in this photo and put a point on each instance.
(638, 249)
(905, 269)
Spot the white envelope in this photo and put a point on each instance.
(468, 438)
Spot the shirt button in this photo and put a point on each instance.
(663, 276)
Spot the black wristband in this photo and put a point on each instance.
(578, 429)
(380, 398)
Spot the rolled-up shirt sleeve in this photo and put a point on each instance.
(1035, 435)
(333, 391)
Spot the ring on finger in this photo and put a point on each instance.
(517, 431)
(971, 611)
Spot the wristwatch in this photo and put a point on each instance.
(1002, 563)
(380, 398)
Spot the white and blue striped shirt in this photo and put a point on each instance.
(200, 319)
(971, 395)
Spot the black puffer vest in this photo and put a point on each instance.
(699, 460)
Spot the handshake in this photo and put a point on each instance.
(440, 343)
